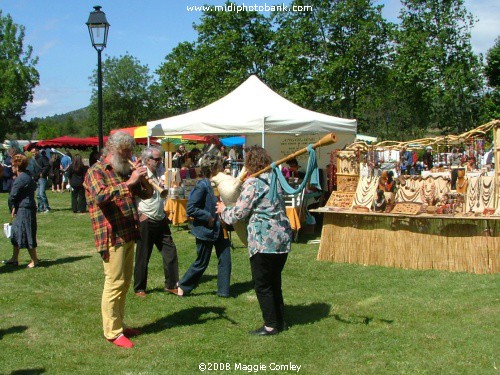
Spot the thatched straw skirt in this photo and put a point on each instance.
(24, 229)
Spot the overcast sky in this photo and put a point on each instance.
(147, 30)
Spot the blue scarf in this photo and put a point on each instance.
(312, 174)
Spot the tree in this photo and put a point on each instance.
(169, 90)
(490, 104)
(230, 47)
(18, 76)
(436, 75)
(492, 69)
(125, 93)
(332, 58)
(49, 129)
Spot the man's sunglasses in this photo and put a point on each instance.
(155, 159)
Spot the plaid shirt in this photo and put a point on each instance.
(112, 207)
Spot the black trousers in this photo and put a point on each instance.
(78, 203)
(266, 275)
(155, 233)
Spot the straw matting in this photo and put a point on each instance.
(412, 243)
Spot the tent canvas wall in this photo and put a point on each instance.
(265, 117)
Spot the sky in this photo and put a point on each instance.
(147, 30)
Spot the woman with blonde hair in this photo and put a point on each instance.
(22, 201)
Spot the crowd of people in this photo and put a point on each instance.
(128, 220)
(59, 172)
(410, 163)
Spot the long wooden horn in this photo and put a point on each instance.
(325, 141)
(163, 192)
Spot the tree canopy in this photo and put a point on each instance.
(18, 76)
(339, 57)
(230, 47)
(126, 94)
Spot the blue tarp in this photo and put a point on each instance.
(233, 141)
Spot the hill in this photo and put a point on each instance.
(74, 123)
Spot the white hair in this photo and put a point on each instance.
(119, 141)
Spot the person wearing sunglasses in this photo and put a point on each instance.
(154, 232)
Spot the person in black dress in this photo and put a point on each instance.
(22, 201)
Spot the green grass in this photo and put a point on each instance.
(345, 319)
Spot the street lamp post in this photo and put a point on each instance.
(98, 30)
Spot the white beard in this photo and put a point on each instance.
(121, 165)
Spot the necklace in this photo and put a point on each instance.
(486, 190)
(461, 186)
(428, 191)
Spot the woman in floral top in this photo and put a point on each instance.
(269, 239)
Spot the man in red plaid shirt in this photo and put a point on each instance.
(110, 188)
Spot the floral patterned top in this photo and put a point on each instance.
(269, 229)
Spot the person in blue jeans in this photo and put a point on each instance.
(207, 229)
(41, 168)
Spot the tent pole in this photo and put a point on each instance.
(263, 140)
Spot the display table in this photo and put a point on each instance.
(176, 210)
(441, 242)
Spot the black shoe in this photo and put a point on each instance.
(264, 332)
(10, 262)
(282, 327)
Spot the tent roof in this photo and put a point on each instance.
(140, 135)
(138, 132)
(66, 142)
(252, 108)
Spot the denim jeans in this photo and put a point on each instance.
(204, 250)
(43, 203)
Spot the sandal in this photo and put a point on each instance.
(10, 262)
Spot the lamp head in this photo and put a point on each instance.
(98, 28)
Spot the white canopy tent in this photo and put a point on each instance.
(253, 109)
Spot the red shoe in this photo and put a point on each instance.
(122, 342)
(131, 332)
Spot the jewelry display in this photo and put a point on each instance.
(428, 191)
(409, 191)
(365, 193)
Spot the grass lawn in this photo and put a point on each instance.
(345, 319)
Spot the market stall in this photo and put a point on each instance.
(422, 224)
(254, 110)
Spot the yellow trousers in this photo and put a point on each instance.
(117, 277)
